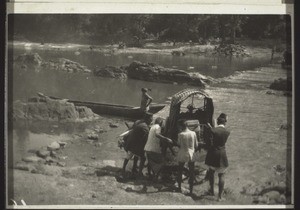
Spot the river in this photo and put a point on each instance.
(89, 88)
(256, 142)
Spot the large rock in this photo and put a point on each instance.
(93, 136)
(43, 153)
(24, 166)
(152, 72)
(111, 71)
(84, 112)
(53, 146)
(32, 159)
(44, 108)
(31, 60)
(282, 84)
(231, 50)
(66, 65)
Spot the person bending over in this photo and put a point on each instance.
(153, 148)
(136, 142)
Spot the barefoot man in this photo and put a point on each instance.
(216, 157)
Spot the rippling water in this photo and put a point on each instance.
(89, 88)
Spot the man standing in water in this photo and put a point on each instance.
(187, 143)
(216, 157)
(146, 100)
(136, 142)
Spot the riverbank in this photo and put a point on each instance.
(257, 144)
(251, 48)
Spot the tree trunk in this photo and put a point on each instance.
(233, 34)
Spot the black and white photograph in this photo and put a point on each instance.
(149, 108)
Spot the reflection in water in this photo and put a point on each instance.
(23, 127)
(29, 135)
(20, 139)
(87, 87)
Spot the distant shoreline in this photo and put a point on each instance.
(163, 48)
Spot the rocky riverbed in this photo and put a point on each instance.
(82, 166)
(83, 169)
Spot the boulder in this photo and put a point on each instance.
(53, 154)
(53, 146)
(109, 163)
(93, 136)
(61, 164)
(100, 130)
(286, 126)
(32, 159)
(178, 53)
(273, 195)
(24, 167)
(85, 112)
(282, 84)
(152, 72)
(45, 108)
(62, 143)
(112, 72)
(99, 144)
(113, 125)
(42, 153)
(66, 65)
(231, 50)
(29, 61)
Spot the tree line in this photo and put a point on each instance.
(136, 28)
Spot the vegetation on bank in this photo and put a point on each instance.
(136, 29)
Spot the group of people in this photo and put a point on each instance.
(144, 142)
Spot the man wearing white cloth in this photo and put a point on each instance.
(187, 143)
(153, 149)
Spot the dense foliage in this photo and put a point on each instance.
(136, 28)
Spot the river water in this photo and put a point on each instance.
(89, 88)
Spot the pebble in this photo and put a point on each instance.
(113, 125)
(62, 164)
(53, 154)
(93, 136)
(98, 144)
(109, 163)
(50, 160)
(43, 153)
(22, 166)
(273, 195)
(62, 143)
(32, 159)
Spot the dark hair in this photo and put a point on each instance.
(148, 115)
(221, 120)
(145, 89)
(182, 123)
(159, 120)
(223, 115)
